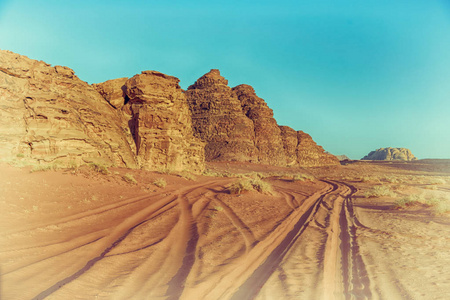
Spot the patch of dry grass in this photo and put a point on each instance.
(250, 184)
(379, 191)
(129, 178)
(160, 182)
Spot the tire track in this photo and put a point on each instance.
(123, 230)
(356, 283)
(252, 285)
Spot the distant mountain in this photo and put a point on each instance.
(390, 154)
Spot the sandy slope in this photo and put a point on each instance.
(91, 236)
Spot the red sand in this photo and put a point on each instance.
(93, 236)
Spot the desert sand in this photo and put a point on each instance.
(80, 234)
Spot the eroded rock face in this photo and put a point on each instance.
(267, 133)
(390, 154)
(113, 91)
(218, 120)
(49, 115)
(160, 122)
(309, 154)
(237, 125)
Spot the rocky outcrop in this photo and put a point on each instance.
(160, 123)
(342, 157)
(113, 91)
(390, 154)
(309, 154)
(237, 125)
(218, 120)
(267, 133)
(49, 115)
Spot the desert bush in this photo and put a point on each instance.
(302, 177)
(391, 179)
(369, 179)
(129, 178)
(409, 200)
(250, 184)
(160, 182)
(188, 176)
(379, 191)
(43, 168)
(442, 207)
(436, 181)
(99, 168)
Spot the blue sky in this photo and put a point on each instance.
(356, 75)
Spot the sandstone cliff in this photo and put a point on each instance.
(237, 125)
(49, 115)
(218, 120)
(160, 122)
(267, 134)
(390, 154)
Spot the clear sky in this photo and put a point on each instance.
(355, 74)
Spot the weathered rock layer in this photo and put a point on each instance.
(49, 115)
(237, 125)
(390, 154)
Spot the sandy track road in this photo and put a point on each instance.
(200, 242)
(197, 241)
(325, 262)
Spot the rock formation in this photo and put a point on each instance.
(49, 115)
(390, 154)
(218, 120)
(237, 125)
(342, 157)
(113, 91)
(309, 154)
(160, 122)
(267, 134)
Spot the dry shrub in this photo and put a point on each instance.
(379, 191)
(303, 177)
(99, 168)
(250, 184)
(129, 178)
(160, 182)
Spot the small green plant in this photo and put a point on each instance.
(160, 182)
(128, 178)
(20, 155)
(99, 168)
(379, 191)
